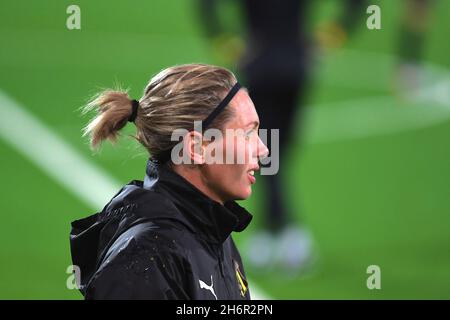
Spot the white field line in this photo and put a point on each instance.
(50, 153)
(43, 147)
(378, 116)
(382, 115)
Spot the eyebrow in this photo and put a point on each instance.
(254, 123)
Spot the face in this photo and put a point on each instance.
(233, 181)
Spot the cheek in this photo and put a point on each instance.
(236, 149)
(221, 176)
(241, 151)
(230, 175)
(231, 180)
(237, 181)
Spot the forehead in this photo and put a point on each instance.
(244, 110)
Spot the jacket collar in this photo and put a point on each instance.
(210, 220)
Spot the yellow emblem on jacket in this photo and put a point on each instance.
(243, 284)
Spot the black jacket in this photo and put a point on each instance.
(160, 239)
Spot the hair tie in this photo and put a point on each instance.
(134, 108)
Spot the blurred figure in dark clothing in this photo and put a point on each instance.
(275, 67)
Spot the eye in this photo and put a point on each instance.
(249, 133)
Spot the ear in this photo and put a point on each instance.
(193, 146)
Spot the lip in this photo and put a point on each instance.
(251, 178)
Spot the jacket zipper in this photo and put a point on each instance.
(220, 256)
(220, 264)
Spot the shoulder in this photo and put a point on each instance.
(146, 261)
(147, 239)
(145, 204)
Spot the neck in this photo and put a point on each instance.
(194, 176)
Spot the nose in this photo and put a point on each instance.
(262, 150)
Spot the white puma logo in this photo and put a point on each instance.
(205, 286)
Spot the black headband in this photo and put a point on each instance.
(221, 106)
(134, 108)
(165, 155)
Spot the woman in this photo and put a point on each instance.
(169, 236)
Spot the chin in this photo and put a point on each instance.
(244, 194)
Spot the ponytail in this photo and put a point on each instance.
(114, 108)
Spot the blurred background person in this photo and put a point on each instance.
(414, 25)
(276, 65)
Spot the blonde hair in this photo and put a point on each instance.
(173, 99)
